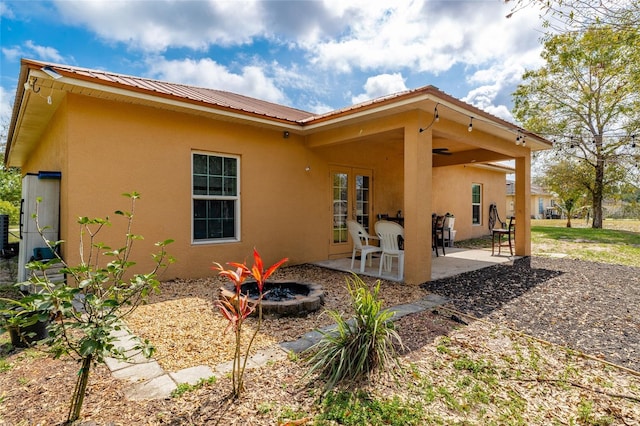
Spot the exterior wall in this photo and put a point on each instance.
(51, 155)
(385, 159)
(535, 213)
(451, 185)
(115, 148)
(452, 193)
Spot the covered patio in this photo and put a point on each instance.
(413, 154)
(456, 261)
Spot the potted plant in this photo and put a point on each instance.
(25, 317)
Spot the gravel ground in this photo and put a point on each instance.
(591, 307)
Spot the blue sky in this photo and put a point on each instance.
(309, 54)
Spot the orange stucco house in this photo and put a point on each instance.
(221, 173)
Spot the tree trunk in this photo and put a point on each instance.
(80, 390)
(597, 194)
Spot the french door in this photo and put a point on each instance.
(352, 196)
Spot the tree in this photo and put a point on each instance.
(10, 182)
(560, 179)
(577, 15)
(97, 295)
(587, 99)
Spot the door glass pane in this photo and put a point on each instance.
(363, 200)
(340, 207)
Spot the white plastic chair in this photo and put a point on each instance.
(360, 236)
(388, 232)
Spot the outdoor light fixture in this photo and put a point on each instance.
(51, 73)
(633, 141)
(470, 124)
(437, 116)
(285, 134)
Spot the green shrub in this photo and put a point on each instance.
(14, 212)
(359, 346)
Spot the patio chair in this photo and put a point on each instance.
(437, 233)
(388, 232)
(497, 233)
(361, 243)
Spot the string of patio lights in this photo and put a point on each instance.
(573, 140)
(520, 135)
(626, 142)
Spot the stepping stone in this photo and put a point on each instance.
(138, 372)
(158, 388)
(193, 375)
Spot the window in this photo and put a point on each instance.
(476, 203)
(214, 191)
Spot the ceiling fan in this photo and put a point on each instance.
(441, 151)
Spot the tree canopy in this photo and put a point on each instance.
(561, 16)
(587, 99)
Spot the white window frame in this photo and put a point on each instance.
(479, 204)
(236, 198)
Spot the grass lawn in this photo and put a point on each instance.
(618, 242)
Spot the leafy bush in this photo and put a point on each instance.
(13, 211)
(98, 295)
(357, 347)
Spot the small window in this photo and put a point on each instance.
(476, 203)
(215, 196)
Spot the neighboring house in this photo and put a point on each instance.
(221, 173)
(543, 203)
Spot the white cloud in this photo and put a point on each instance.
(5, 11)
(389, 43)
(497, 83)
(426, 36)
(380, 85)
(31, 50)
(251, 81)
(319, 108)
(157, 25)
(6, 100)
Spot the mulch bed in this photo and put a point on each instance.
(591, 307)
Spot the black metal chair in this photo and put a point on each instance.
(437, 233)
(508, 230)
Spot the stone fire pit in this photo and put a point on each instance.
(282, 298)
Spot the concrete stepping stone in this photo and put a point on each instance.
(158, 388)
(193, 375)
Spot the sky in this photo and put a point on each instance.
(313, 55)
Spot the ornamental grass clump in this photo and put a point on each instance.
(359, 346)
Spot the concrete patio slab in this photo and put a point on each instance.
(456, 261)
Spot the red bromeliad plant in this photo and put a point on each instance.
(238, 307)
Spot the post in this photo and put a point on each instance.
(417, 200)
